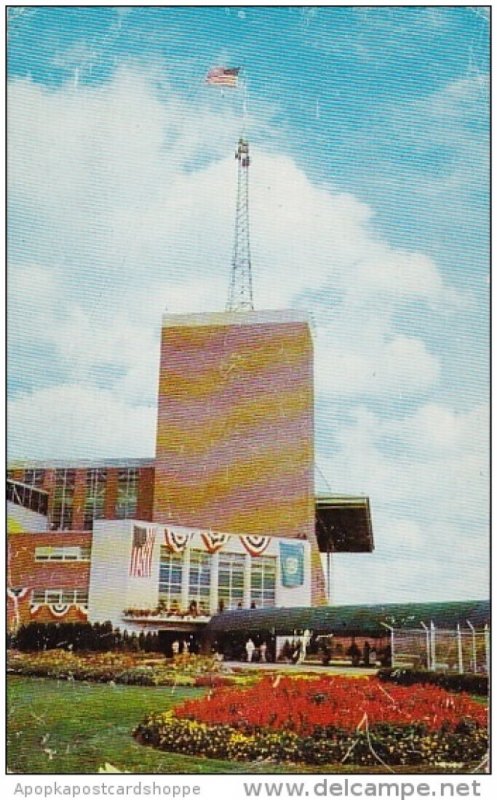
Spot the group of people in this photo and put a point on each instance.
(369, 656)
(251, 649)
(180, 647)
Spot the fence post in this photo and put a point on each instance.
(459, 650)
(428, 651)
(433, 646)
(392, 642)
(473, 660)
(487, 648)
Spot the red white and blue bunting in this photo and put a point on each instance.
(175, 541)
(17, 594)
(255, 545)
(214, 541)
(59, 609)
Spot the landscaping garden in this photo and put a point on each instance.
(326, 720)
(74, 710)
(134, 669)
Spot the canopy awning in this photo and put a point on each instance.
(343, 524)
(353, 620)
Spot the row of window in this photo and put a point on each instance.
(77, 597)
(66, 553)
(61, 517)
(28, 497)
(231, 579)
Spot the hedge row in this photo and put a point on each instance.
(80, 636)
(392, 745)
(453, 682)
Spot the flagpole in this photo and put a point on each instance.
(244, 105)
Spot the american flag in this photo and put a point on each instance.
(223, 76)
(141, 552)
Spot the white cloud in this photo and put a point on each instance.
(355, 363)
(127, 227)
(427, 478)
(73, 421)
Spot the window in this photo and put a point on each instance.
(28, 497)
(231, 579)
(200, 580)
(170, 578)
(263, 581)
(61, 517)
(34, 477)
(76, 553)
(95, 496)
(127, 493)
(60, 596)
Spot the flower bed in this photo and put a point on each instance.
(325, 720)
(144, 669)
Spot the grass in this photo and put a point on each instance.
(63, 727)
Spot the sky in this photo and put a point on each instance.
(369, 193)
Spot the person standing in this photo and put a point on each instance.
(262, 651)
(249, 649)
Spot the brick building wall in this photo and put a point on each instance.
(235, 432)
(24, 572)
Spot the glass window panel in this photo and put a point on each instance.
(127, 493)
(61, 513)
(263, 581)
(170, 577)
(231, 579)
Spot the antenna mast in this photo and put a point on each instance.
(240, 297)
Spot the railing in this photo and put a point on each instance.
(29, 497)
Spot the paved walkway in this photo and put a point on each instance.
(313, 667)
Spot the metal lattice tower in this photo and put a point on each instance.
(240, 296)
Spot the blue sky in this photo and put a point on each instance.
(369, 208)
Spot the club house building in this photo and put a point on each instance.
(225, 517)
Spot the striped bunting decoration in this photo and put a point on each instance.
(214, 541)
(17, 594)
(59, 609)
(175, 541)
(255, 545)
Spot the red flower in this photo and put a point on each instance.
(340, 702)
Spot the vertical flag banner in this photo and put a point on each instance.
(292, 564)
(141, 552)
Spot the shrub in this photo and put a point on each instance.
(453, 682)
(80, 636)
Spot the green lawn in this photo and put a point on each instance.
(66, 727)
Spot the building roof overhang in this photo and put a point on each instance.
(343, 524)
(374, 620)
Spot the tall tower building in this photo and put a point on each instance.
(235, 431)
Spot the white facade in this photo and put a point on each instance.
(115, 588)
